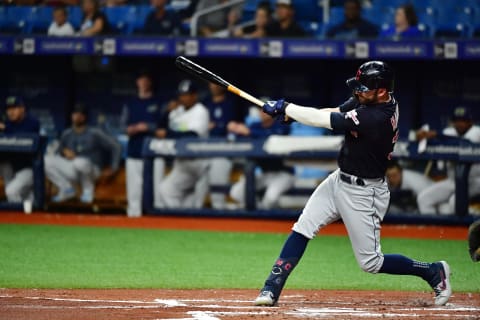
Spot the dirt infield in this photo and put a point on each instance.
(23, 304)
(118, 304)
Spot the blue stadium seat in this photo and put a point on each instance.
(458, 14)
(121, 18)
(307, 10)
(75, 16)
(336, 15)
(475, 31)
(382, 16)
(142, 13)
(3, 18)
(249, 8)
(19, 19)
(441, 3)
(452, 30)
(41, 19)
(311, 28)
(475, 13)
(388, 3)
(427, 15)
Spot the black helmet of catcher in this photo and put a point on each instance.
(372, 75)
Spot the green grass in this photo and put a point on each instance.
(81, 257)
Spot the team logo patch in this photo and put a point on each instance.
(352, 115)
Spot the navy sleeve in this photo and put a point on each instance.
(348, 105)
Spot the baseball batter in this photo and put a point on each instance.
(16, 169)
(356, 192)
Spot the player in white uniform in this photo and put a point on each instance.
(440, 197)
(189, 119)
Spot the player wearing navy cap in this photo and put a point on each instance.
(357, 192)
(16, 170)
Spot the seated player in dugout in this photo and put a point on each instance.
(275, 178)
(439, 198)
(80, 158)
(357, 191)
(187, 183)
(405, 185)
(16, 169)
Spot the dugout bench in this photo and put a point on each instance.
(462, 152)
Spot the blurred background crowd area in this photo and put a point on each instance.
(321, 19)
(428, 91)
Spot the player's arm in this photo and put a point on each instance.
(329, 118)
(108, 143)
(311, 116)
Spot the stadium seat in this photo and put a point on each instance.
(121, 18)
(75, 16)
(41, 19)
(475, 31)
(142, 13)
(19, 19)
(458, 14)
(308, 10)
(452, 30)
(440, 3)
(427, 16)
(379, 15)
(311, 28)
(388, 3)
(336, 15)
(3, 18)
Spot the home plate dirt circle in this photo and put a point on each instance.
(109, 304)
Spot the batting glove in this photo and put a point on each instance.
(275, 108)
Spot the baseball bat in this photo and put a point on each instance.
(207, 75)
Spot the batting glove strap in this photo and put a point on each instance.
(275, 108)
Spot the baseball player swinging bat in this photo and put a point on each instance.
(204, 74)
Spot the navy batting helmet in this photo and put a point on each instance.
(372, 75)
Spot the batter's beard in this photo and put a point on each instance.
(366, 101)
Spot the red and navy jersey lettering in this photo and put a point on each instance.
(370, 135)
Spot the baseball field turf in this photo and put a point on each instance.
(39, 256)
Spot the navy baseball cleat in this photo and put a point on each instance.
(265, 298)
(443, 289)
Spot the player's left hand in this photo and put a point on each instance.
(275, 108)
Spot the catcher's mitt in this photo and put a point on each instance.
(474, 241)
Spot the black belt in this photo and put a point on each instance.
(352, 180)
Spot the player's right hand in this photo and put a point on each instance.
(275, 108)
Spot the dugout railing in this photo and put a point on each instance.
(460, 151)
